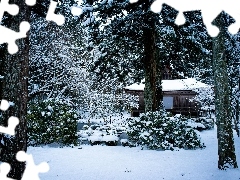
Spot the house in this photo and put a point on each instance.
(177, 95)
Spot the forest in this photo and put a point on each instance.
(78, 70)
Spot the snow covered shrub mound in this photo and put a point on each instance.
(51, 121)
(207, 122)
(154, 130)
(100, 134)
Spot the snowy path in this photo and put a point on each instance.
(124, 163)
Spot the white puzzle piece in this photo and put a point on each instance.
(32, 170)
(12, 9)
(30, 2)
(4, 170)
(4, 105)
(210, 10)
(12, 123)
(9, 36)
(51, 16)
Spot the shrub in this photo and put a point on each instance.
(154, 130)
(51, 122)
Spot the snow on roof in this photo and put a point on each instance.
(173, 85)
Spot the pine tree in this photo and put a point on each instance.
(226, 150)
(126, 34)
(233, 54)
(136, 43)
(14, 88)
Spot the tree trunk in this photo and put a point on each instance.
(236, 122)
(152, 90)
(226, 149)
(14, 88)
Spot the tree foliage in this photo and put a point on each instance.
(51, 121)
(136, 43)
(226, 149)
(154, 130)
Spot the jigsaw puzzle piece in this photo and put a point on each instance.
(208, 13)
(9, 36)
(31, 172)
(133, 1)
(51, 16)
(208, 17)
(234, 28)
(4, 170)
(156, 7)
(12, 123)
(30, 2)
(180, 6)
(12, 9)
(4, 105)
(232, 7)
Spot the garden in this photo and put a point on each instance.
(150, 131)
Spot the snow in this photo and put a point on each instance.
(123, 141)
(108, 138)
(118, 162)
(173, 85)
(193, 124)
(43, 113)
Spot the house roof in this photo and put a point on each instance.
(173, 85)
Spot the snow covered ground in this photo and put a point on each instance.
(117, 163)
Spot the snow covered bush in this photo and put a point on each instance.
(207, 122)
(102, 134)
(154, 130)
(51, 121)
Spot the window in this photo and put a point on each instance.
(168, 102)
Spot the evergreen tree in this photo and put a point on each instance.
(14, 69)
(233, 54)
(136, 43)
(226, 150)
(55, 62)
(132, 26)
(14, 86)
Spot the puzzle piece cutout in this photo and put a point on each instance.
(133, 1)
(30, 2)
(32, 170)
(51, 16)
(12, 123)
(4, 105)
(4, 170)
(210, 10)
(9, 36)
(12, 9)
